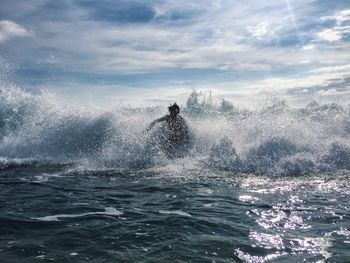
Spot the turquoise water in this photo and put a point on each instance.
(59, 214)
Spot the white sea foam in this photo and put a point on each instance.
(275, 140)
(205, 191)
(175, 212)
(108, 211)
(247, 198)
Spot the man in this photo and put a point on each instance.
(178, 135)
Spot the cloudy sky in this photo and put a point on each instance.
(158, 51)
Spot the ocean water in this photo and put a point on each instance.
(264, 185)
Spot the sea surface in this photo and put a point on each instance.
(91, 185)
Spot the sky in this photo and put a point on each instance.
(129, 51)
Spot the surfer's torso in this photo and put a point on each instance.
(176, 124)
(174, 137)
(177, 128)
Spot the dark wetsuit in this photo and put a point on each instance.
(175, 138)
(177, 125)
(178, 138)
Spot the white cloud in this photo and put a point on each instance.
(261, 30)
(303, 91)
(215, 37)
(141, 48)
(343, 69)
(330, 35)
(323, 77)
(327, 92)
(340, 30)
(340, 17)
(215, 41)
(51, 59)
(309, 47)
(9, 30)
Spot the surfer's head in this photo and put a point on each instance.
(174, 109)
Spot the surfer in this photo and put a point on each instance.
(177, 132)
(175, 122)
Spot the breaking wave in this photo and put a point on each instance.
(275, 140)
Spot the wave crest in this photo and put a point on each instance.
(276, 140)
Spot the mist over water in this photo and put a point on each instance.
(273, 140)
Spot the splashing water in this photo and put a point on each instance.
(276, 140)
(92, 185)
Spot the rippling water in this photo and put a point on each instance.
(60, 214)
(264, 185)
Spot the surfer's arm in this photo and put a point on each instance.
(156, 121)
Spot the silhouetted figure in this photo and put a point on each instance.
(176, 138)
